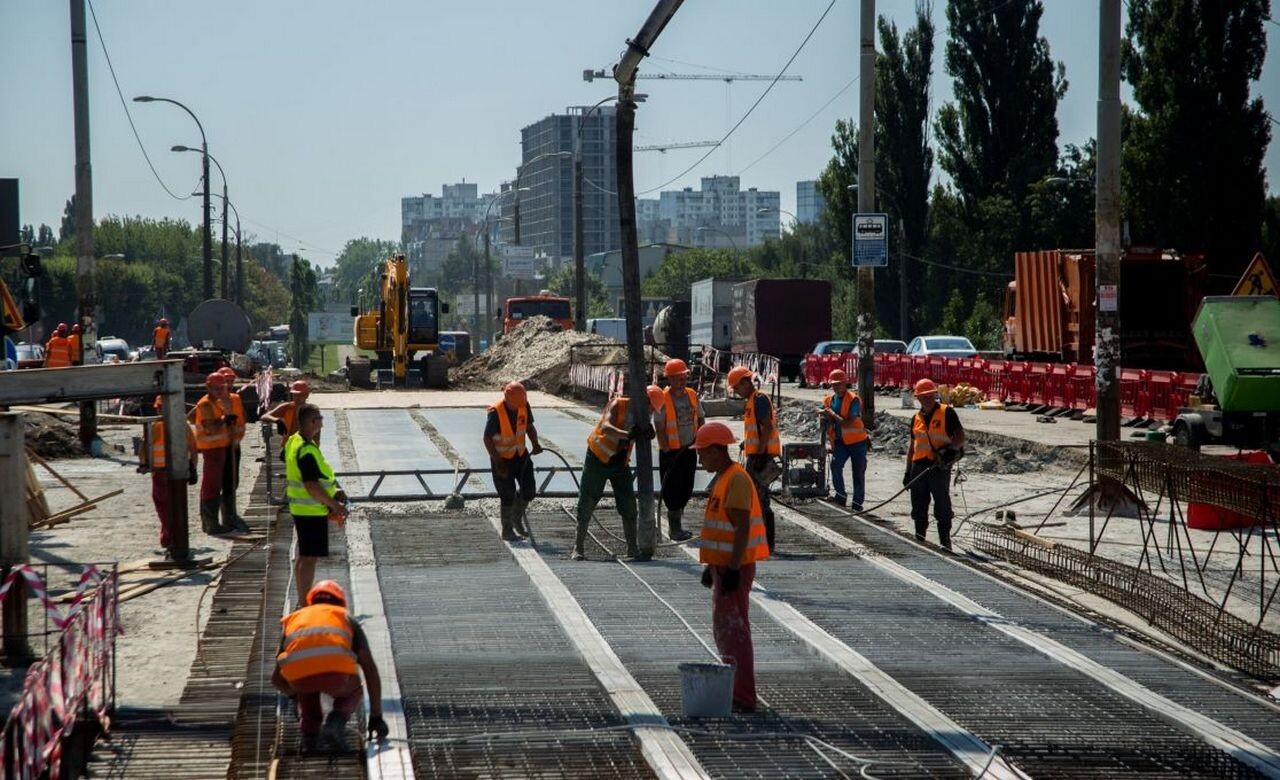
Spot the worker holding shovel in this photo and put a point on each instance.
(510, 421)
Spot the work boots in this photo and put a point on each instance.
(674, 528)
(944, 534)
(518, 516)
(334, 732)
(629, 533)
(230, 520)
(508, 535)
(209, 517)
(580, 541)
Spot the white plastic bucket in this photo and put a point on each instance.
(706, 690)
(907, 400)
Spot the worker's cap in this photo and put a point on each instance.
(656, 397)
(737, 374)
(62, 327)
(713, 434)
(515, 395)
(215, 380)
(164, 321)
(327, 592)
(838, 375)
(300, 387)
(925, 387)
(675, 367)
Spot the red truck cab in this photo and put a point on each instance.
(520, 308)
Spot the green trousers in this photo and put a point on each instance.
(594, 477)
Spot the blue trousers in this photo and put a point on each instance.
(841, 454)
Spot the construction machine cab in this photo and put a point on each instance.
(17, 316)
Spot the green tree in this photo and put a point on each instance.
(1193, 175)
(44, 236)
(835, 184)
(1270, 242)
(561, 282)
(357, 264)
(27, 235)
(1001, 133)
(301, 296)
(679, 270)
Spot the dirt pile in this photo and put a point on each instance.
(536, 354)
(798, 420)
(52, 437)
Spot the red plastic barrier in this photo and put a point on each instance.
(1183, 388)
(1015, 381)
(1082, 392)
(1160, 390)
(1134, 400)
(1215, 518)
(1037, 383)
(993, 374)
(1055, 386)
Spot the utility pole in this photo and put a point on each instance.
(239, 267)
(1107, 226)
(207, 249)
(488, 288)
(87, 314)
(475, 282)
(866, 205)
(902, 281)
(637, 380)
(226, 270)
(579, 258)
(13, 531)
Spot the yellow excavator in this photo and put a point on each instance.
(14, 316)
(401, 325)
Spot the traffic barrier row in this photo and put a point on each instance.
(1156, 395)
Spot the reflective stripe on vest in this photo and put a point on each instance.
(924, 442)
(671, 426)
(211, 430)
(751, 431)
(716, 540)
(605, 445)
(237, 408)
(301, 504)
(157, 445)
(317, 640)
(508, 442)
(57, 353)
(851, 428)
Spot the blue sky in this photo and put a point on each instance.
(325, 113)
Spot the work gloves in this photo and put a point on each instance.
(192, 477)
(906, 477)
(231, 419)
(729, 580)
(706, 576)
(641, 433)
(536, 449)
(280, 429)
(950, 454)
(378, 728)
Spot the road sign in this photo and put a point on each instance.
(330, 327)
(447, 343)
(1257, 279)
(870, 240)
(465, 305)
(519, 262)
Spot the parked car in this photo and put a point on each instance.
(112, 347)
(834, 347)
(942, 346)
(890, 346)
(30, 355)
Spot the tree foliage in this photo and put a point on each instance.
(1193, 174)
(679, 270)
(303, 298)
(561, 281)
(355, 267)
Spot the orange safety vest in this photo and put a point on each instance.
(317, 640)
(716, 546)
(508, 442)
(74, 349)
(289, 416)
(237, 408)
(57, 353)
(211, 430)
(605, 445)
(851, 429)
(751, 431)
(672, 428)
(158, 461)
(160, 337)
(925, 440)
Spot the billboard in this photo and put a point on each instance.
(325, 327)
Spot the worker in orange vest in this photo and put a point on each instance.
(760, 442)
(160, 338)
(57, 353)
(231, 471)
(214, 421)
(937, 441)
(733, 540)
(321, 650)
(842, 414)
(675, 425)
(75, 347)
(285, 414)
(509, 422)
(608, 461)
(154, 460)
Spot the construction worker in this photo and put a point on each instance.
(320, 649)
(75, 347)
(510, 421)
(231, 471)
(842, 413)
(160, 338)
(607, 460)
(156, 462)
(314, 495)
(214, 421)
(937, 441)
(675, 425)
(760, 442)
(285, 414)
(733, 540)
(57, 353)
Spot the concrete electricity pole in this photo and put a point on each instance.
(579, 259)
(867, 204)
(1107, 225)
(637, 380)
(84, 209)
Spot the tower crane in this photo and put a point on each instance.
(684, 145)
(592, 75)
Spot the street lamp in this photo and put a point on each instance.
(736, 265)
(204, 150)
(239, 263)
(488, 266)
(223, 174)
(795, 221)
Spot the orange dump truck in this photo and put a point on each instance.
(520, 308)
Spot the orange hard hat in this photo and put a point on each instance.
(327, 588)
(712, 434)
(675, 367)
(737, 374)
(300, 387)
(515, 395)
(838, 375)
(228, 372)
(62, 327)
(657, 398)
(164, 322)
(215, 380)
(75, 328)
(925, 387)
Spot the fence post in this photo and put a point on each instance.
(13, 534)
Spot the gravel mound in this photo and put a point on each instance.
(51, 437)
(536, 354)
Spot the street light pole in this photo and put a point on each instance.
(867, 204)
(737, 266)
(204, 151)
(85, 283)
(1107, 224)
(225, 269)
(239, 264)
